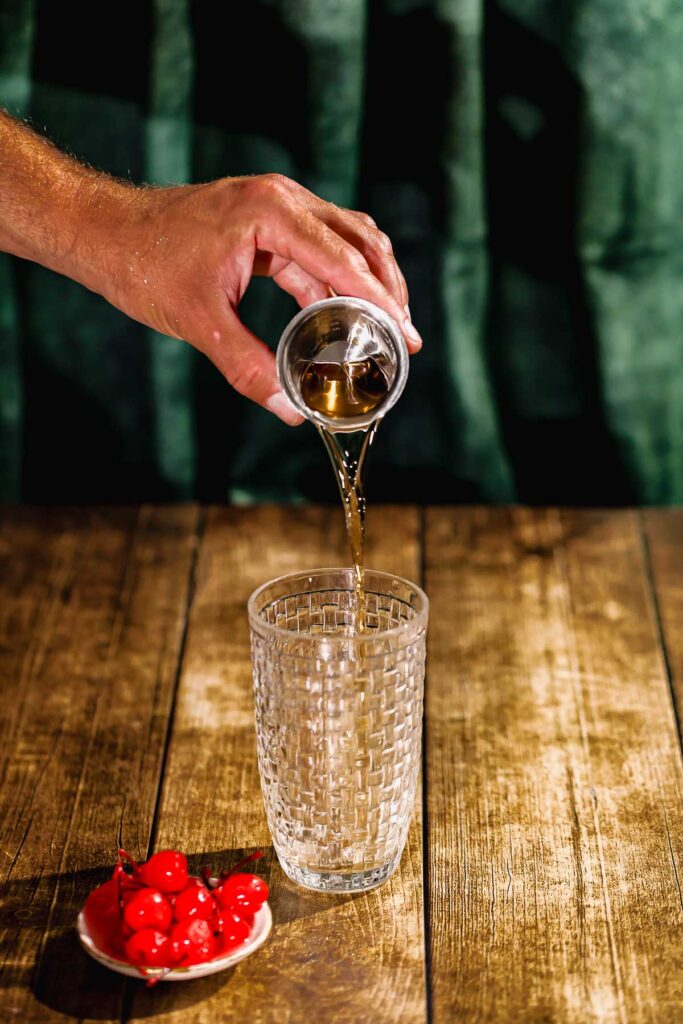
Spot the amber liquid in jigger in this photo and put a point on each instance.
(341, 391)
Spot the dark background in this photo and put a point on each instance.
(526, 159)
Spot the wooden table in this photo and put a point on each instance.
(542, 876)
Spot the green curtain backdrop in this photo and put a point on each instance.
(526, 156)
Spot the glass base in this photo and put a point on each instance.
(337, 881)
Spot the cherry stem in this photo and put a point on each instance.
(127, 857)
(119, 894)
(242, 863)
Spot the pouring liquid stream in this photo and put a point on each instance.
(340, 391)
(348, 459)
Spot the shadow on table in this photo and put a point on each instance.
(68, 981)
(92, 992)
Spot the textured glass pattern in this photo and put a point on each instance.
(338, 721)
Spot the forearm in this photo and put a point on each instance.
(54, 210)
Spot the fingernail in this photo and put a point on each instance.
(407, 309)
(279, 404)
(411, 333)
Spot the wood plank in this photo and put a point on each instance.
(664, 538)
(554, 774)
(92, 611)
(340, 958)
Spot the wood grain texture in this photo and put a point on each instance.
(339, 958)
(664, 541)
(554, 773)
(554, 780)
(92, 608)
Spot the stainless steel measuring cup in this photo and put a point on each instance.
(342, 329)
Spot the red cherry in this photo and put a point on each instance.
(126, 895)
(232, 929)
(193, 941)
(193, 902)
(165, 871)
(147, 908)
(243, 893)
(149, 948)
(102, 914)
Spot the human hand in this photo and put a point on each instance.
(180, 259)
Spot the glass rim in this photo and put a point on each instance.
(420, 619)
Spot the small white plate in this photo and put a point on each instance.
(263, 922)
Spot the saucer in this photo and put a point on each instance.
(263, 921)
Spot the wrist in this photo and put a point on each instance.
(98, 216)
(121, 248)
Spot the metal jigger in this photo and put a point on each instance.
(342, 329)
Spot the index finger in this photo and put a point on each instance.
(302, 237)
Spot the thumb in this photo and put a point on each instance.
(247, 363)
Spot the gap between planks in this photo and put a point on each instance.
(553, 877)
(200, 524)
(352, 958)
(92, 608)
(650, 522)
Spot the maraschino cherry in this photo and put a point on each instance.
(231, 928)
(242, 893)
(155, 915)
(147, 908)
(165, 871)
(150, 948)
(193, 941)
(195, 901)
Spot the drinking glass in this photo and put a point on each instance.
(338, 722)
